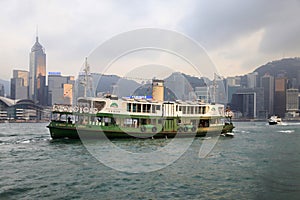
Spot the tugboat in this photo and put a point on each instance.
(228, 126)
(274, 120)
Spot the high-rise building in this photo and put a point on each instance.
(2, 90)
(249, 101)
(37, 74)
(252, 80)
(60, 88)
(267, 82)
(292, 101)
(232, 85)
(19, 84)
(280, 96)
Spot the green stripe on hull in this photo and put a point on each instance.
(72, 131)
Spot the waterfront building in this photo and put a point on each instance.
(24, 110)
(37, 74)
(232, 85)
(249, 101)
(267, 82)
(292, 102)
(280, 96)
(19, 84)
(60, 88)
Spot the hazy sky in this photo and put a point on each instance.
(237, 35)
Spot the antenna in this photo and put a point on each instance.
(37, 32)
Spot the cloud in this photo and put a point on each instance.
(241, 35)
(70, 30)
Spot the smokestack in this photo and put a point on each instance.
(158, 90)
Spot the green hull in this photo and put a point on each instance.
(73, 131)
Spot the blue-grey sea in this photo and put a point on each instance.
(260, 162)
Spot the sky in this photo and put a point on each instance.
(238, 36)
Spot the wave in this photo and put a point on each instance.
(286, 131)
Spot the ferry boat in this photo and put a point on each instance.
(140, 118)
(273, 120)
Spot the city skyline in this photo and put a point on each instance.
(238, 36)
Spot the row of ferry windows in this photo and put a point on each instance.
(152, 108)
(145, 108)
(192, 109)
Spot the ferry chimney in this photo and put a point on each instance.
(158, 90)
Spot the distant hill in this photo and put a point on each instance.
(177, 85)
(6, 86)
(288, 67)
(123, 87)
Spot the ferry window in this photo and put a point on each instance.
(129, 107)
(184, 109)
(157, 107)
(205, 109)
(153, 108)
(176, 108)
(180, 109)
(143, 121)
(148, 108)
(160, 121)
(196, 110)
(99, 105)
(192, 109)
(153, 121)
(194, 122)
(144, 108)
(134, 107)
(139, 108)
(188, 109)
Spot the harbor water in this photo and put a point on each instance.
(260, 162)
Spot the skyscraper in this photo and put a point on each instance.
(2, 90)
(267, 82)
(280, 96)
(19, 84)
(60, 88)
(292, 101)
(37, 74)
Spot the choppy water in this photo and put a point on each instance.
(260, 162)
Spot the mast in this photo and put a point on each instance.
(214, 89)
(86, 80)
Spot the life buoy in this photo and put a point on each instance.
(55, 108)
(180, 129)
(193, 129)
(75, 109)
(65, 108)
(143, 129)
(86, 109)
(154, 129)
(185, 129)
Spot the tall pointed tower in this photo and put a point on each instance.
(37, 74)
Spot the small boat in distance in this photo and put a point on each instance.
(228, 127)
(273, 120)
